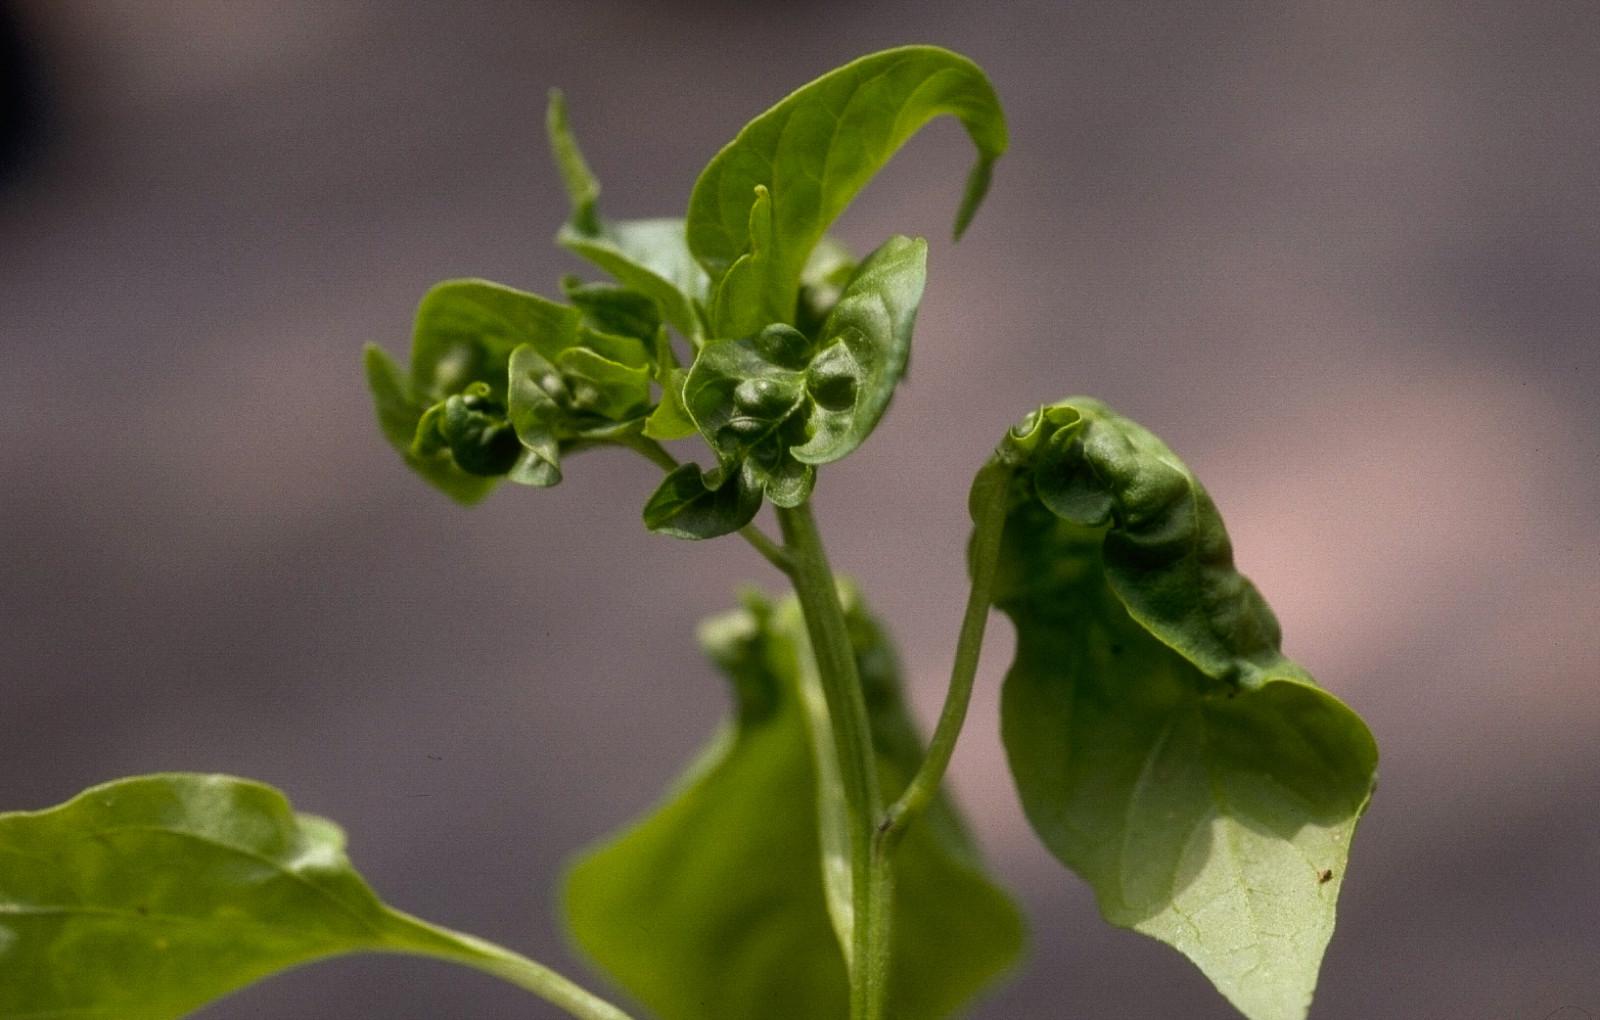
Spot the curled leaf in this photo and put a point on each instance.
(818, 147)
(1163, 747)
(689, 504)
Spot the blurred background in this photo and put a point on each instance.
(1345, 258)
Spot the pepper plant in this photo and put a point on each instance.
(810, 864)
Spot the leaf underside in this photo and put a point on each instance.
(1162, 746)
(713, 907)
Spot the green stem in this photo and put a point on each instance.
(458, 947)
(871, 880)
(990, 493)
(657, 454)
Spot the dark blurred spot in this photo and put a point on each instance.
(22, 100)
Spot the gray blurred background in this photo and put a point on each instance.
(1345, 258)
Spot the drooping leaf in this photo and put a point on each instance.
(398, 416)
(649, 256)
(872, 321)
(817, 148)
(148, 897)
(689, 504)
(1163, 747)
(713, 908)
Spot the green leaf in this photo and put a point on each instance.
(398, 417)
(467, 329)
(713, 907)
(1163, 747)
(648, 256)
(603, 387)
(872, 322)
(817, 148)
(689, 504)
(739, 305)
(537, 417)
(749, 400)
(822, 281)
(618, 311)
(146, 898)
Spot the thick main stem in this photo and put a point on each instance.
(871, 880)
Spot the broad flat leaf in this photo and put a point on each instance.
(817, 148)
(873, 320)
(712, 907)
(145, 898)
(398, 416)
(1163, 747)
(648, 256)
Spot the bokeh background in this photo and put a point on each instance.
(1344, 257)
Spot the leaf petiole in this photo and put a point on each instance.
(990, 492)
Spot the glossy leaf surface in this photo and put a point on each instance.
(650, 256)
(1163, 747)
(815, 150)
(867, 341)
(146, 898)
(713, 906)
(691, 504)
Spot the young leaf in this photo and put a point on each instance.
(817, 148)
(467, 329)
(149, 897)
(688, 505)
(713, 908)
(398, 417)
(873, 320)
(1163, 747)
(649, 256)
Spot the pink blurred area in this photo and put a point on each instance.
(1345, 259)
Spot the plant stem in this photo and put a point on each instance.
(990, 493)
(458, 947)
(871, 880)
(657, 454)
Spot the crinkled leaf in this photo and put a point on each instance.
(1163, 747)
(739, 396)
(603, 387)
(817, 148)
(872, 321)
(618, 311)
(748, 399)
(649, 256)
(398, 416)
(537, 417)
(467, 329)
(689, 504)
(148, 897)
(712, 907)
